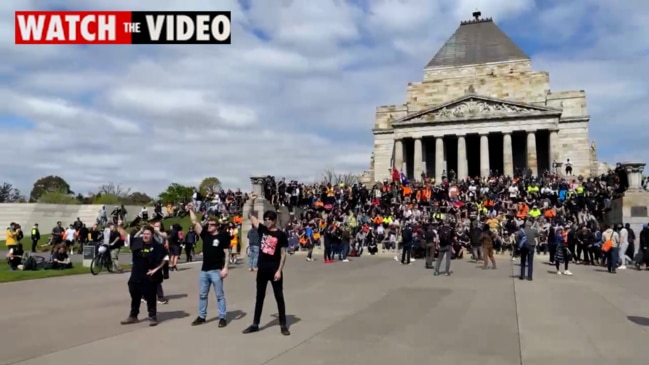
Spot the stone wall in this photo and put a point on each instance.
(638, 199)
(575, 145)
(46, 215)
(513, 81)
(383, 153)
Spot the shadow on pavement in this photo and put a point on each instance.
(290, 321)
(176, 296)
(167, 316)
(640, 321)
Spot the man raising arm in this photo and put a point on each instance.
(272, 258)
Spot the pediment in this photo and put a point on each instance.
(475, 107)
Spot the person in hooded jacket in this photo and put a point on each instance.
(643, 244)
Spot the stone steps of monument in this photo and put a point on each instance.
(88, 214)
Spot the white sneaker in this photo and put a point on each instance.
(308, 259)
(345, 260)
(396, 259)
(567, 273)
(412, 260)
(559, 272)
(621, 267)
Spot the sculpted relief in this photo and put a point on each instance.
(477, 108)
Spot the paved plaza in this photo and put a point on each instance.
(369, 311)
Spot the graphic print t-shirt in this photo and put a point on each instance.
(271, 245)
(214, 247)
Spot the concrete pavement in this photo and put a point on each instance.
(368, 311)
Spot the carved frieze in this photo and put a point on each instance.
(479, 108)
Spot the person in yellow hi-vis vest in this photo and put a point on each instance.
(36, 236)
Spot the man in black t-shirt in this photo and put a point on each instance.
(216, 253)
(57, 234)
(272, 257)
(146, 274)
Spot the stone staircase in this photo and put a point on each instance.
(88, 214)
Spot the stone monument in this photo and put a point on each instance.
(480, 107)
(635, 204)
(258, 206)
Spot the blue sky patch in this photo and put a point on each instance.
(15, 122)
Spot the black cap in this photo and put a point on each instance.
(270, 215)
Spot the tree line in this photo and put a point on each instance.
(54, 189)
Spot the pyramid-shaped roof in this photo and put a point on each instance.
(476, 42)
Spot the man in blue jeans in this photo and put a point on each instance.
(527, 238)
(216, 255)
(253, 248)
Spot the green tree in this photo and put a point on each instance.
(58, 198)
(138, 198)
(106, 199)
(209, 185)
(9, 194)
(177, 193)
(49, 184)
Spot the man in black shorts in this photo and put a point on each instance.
(272, 257)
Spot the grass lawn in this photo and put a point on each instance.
(43, 247)
(7, 276)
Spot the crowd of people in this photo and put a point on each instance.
(559, 216)
(562, 217)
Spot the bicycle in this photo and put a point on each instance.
(101, 261)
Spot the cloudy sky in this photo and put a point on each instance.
(294, 93)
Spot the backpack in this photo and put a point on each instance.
(522, 239)
(29, 263)
(445, 236)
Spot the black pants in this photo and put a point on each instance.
(34, 244)
(552, 247)
(430, 254)
(146, 291)
(405, 255)
(264, 275)
(189, 251)
(328, 255)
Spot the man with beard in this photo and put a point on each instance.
(216, 254)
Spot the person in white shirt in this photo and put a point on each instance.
(513, 191)
(70, 237)
(624, 245)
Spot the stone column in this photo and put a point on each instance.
(418, 163)
(508, 155)
(532, 162)
(257, 207)
(398, 154)
(634, 174)
(553, 145)
(484, 155)
(439, 159)
(462, 164)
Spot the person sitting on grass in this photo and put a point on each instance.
(15, 256)
(61, 259)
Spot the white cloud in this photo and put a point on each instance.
(292, 106)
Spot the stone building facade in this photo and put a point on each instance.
(479, 108)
